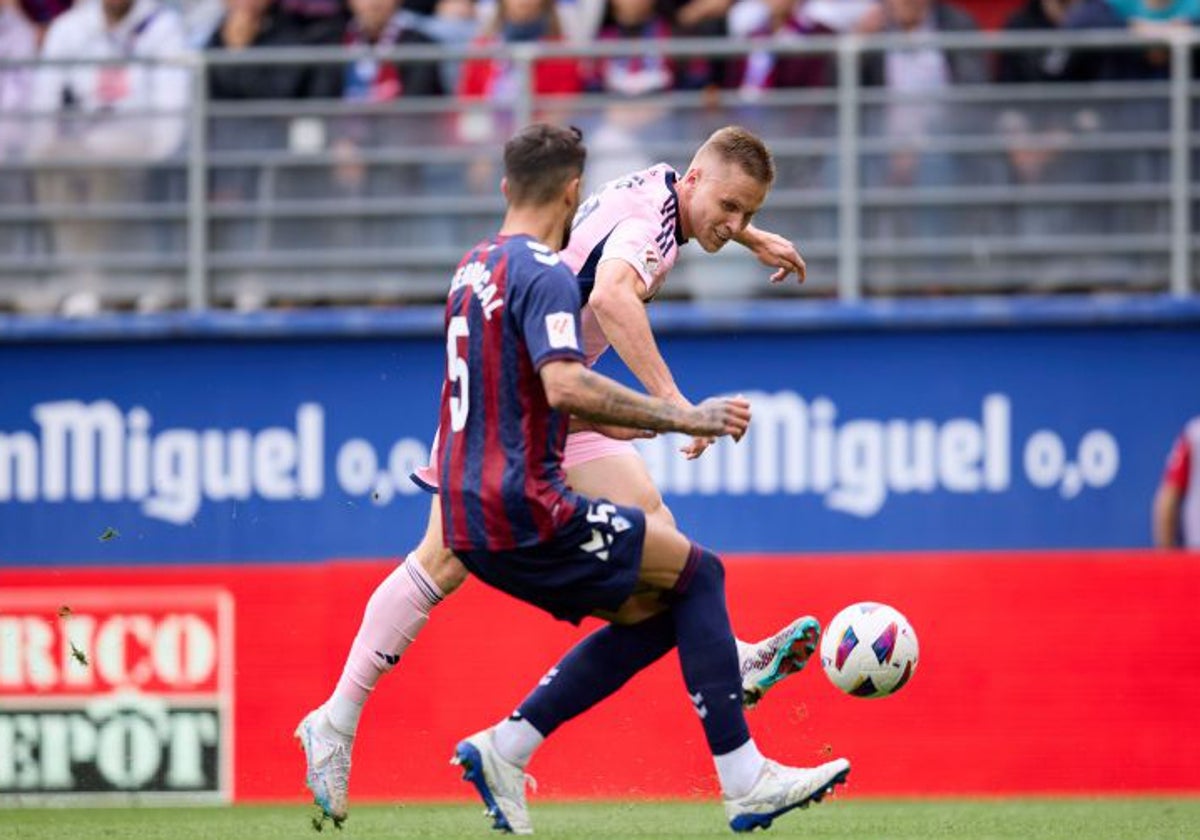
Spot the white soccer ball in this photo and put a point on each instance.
(869, 650)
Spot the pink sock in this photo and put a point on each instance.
(395, 614)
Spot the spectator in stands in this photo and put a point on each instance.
(249, 24)
(1134, 114)
(1036, 132)
(618, 143)
(453, 22)
(495, 80)
(582, 18)
(515, 22)
(336, 12)
(378, 25)
(18, 41)
(420, 8)
(132, 111)
(915, 77)
(747, 16)
(41, 13)
(1040, 64)
(763, 69)
(1177, 502)
(1144, 16)
(1037, 135)
(201, 19)
(649, 72)
(699, 19)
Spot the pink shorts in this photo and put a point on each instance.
(581, 448)
(588, 446)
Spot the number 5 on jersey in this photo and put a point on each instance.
(458, 373)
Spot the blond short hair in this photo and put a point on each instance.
(735, 144)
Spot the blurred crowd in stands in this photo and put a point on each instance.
(118, 110)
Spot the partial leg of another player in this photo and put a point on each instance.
(394, 615)
(624, 480)
(400, 607)
(756, 789)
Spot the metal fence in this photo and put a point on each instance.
(973, 188)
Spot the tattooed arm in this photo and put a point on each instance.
(573, 388)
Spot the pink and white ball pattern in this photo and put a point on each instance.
(869, 650)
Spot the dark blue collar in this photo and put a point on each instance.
(679, 237)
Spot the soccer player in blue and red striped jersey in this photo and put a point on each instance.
(515, 372)
(622, 244)
(513, 307)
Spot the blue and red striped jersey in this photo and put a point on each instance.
(513, 306)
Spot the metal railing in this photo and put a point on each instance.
(970, 188)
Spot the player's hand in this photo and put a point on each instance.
(696, 447)
(721, 416)
(775, 251)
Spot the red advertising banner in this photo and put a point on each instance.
(109, 690)
(1065, 672)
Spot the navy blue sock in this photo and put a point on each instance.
(595, 668)
(708, 653)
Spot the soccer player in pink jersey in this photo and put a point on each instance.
(515, 374)
(623, 242)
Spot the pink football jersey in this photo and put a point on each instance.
(635, 219)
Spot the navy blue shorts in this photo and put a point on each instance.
(590, 564)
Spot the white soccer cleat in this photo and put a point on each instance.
(328, 757)
(775, 658)
(779, 789)
(501, 784)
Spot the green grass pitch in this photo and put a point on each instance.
(1007, 819)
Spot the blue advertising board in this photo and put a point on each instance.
(203, 440)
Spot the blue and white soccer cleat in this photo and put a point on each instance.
(328, 757)
(501, 784)
(779, 789)
(777, 657)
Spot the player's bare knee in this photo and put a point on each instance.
(660, 513)
(664, 556)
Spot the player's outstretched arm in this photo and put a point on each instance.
(573, 388)
(620, 310)
(773, 251)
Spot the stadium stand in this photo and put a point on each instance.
(981, 177)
